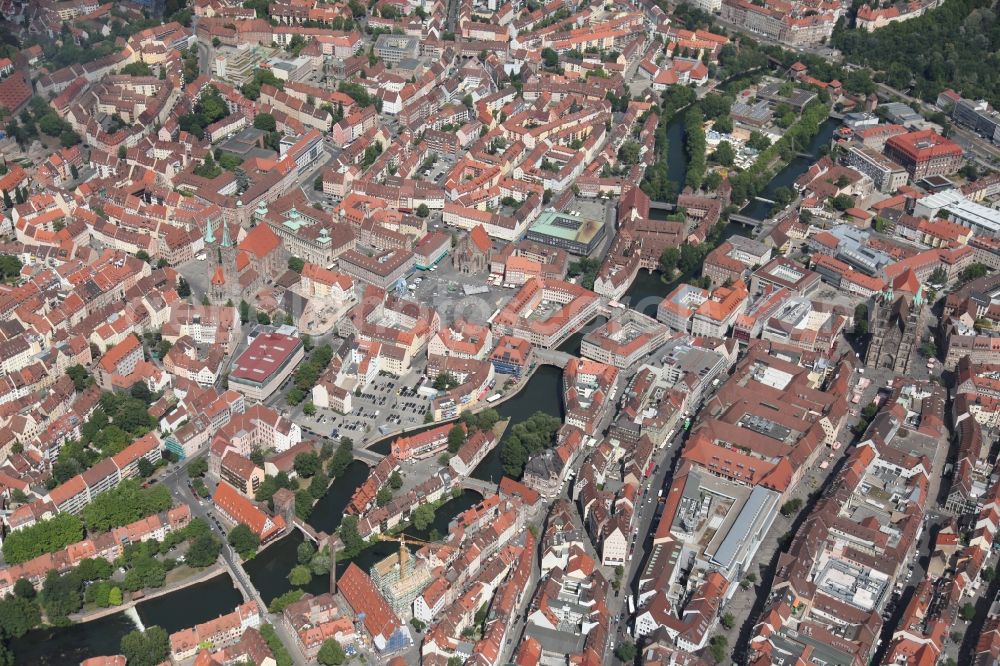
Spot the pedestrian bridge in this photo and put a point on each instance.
(369, 457)
(309, 532)
(552, 357)
(746, 220)
(484, 488)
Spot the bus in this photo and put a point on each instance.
(493, 398)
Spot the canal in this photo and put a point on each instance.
(572, 343)
(184, 608)
(676, 157)
(760, 210)
(328, 511)
(649, 287)
(444, 515)
(268, 571)
(542, 393)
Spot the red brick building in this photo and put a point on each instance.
(925, 153)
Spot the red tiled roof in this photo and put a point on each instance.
(242, 510)
(261, 241)
(118, 352)
(480, 238)
(363, 597)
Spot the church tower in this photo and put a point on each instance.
(225, 283)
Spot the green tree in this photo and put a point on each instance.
(758, 141)
(18, 615)
(974, 272)
(456, 438)
(243, 540)
(724, 154)
(791, 507)
(395, 480)
(728, 621)
(318, 485)
(265, 122)
(198, 467)
(861, 319)
(280, 603)
(299, 575)
(525, 439)
(125, 504)
(423, 210)
(694, 146)
(24, 589)
(94, 568)
(550, 58)
(668, 260)
(146, 648)
(331, 653)
(967, 612)
(348, 530)
(306, 464)
(342, 458)
(841, 202)
(723, 125)
(99, 594)
(270, 636)
(383, 496)
(61, 595)
(445, 381)
(137, 68)
(423, 516)
(80, 376)
(296, 264)
(115, 596)
(46, 536)
(626, 652)
(295, 396)
(305, 551)
(203, 551)
(783, 196)
(10, 267)
(718, 649)
(303, 504)
(629, 152)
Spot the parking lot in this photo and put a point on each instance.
(386, 405)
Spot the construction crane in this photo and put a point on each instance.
(403, 539)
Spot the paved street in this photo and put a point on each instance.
(177, 481)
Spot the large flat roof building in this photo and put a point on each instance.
(573, 234)
(782, 272)
(955, 206)
(268, 360)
